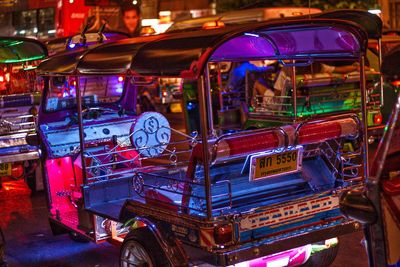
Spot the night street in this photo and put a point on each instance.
(177, 133)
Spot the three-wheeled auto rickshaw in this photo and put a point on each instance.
(239, 17)
(174, 198)
(377, 205)
(19, 100)
(322, 89)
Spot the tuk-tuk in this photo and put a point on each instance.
(321, 90)
(19, 100)
(377, 205)
(238, 17)
(173, 198)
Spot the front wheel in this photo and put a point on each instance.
(323, 258)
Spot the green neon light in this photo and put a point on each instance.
(9, 61)
(9, 43)
(14, 43)
(315, 248)
(30, 68)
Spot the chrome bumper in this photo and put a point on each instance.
(261, 248)
(10, 158)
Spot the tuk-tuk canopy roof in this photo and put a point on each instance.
(72, 43)
(186, 54)
(371, 23)
(63, 64)
(243, 16)
(109, 58)
(18, 49)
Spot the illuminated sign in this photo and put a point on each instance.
(290, 213)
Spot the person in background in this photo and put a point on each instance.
(131, 19)
(237, 75)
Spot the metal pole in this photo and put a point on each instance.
(368, 246)
(204, 137)
(364, 116)
(294, 90)
(380, 66)
(208, 99)
(81, 131)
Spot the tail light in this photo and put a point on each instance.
(120, 79)
(213, 25)
(2, 79)
(314, 133)
(378, 118)
(223, 234)
(236, 146)
(147, 30)
(396, 83)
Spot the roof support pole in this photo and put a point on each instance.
(81, 130)
(380, 67)
(204, 139)
(208, 99)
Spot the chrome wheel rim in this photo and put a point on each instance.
(135, 255)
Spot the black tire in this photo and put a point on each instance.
(30, 176)
(144, 240)
(77, 238)
(323, 258)
(31, 182)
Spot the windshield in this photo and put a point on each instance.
(95, 90)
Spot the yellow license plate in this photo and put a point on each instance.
(5, 169)
(274, 164)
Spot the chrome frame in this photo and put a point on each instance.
(80, 127)
(204, 137)
(380, 65)
(363, 84)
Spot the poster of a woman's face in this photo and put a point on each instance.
(131, 19)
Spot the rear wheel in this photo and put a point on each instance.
(140, 248)
(134, 254)
(323, 258)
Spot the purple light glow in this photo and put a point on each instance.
(288, 43)
(248, 45)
